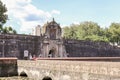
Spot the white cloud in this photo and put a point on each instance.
(28, 15)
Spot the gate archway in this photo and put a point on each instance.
(52, 52)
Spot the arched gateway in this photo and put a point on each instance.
(51, 53)
(52, 45)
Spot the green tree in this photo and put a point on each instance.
(89, 31)
(3, 15)
(73, 30)
(14, 32)
(70, 32)
(66, 32)
(114, 33)
(9, 30)
(86, 31)
(3, 19)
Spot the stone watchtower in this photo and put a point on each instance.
(52, 45)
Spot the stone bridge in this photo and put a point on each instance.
(69, 69)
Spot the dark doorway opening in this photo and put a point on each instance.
(51, 53)
(47, 78)
(23, 74)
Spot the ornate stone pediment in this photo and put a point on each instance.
(52, 30)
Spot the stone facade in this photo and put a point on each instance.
(51, 44)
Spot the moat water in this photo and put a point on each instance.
(15, 78)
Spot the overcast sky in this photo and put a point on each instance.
(26, 14)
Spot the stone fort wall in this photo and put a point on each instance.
(81, 48)
(14, 46)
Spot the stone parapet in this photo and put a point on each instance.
(76, 70)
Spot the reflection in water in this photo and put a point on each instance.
(15, 78)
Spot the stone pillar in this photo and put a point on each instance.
(46, 47)
(47, 50)
(44, 50)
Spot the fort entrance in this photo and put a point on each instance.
(52, 42)
(52, 52)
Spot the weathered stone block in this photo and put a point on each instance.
(8, 67)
